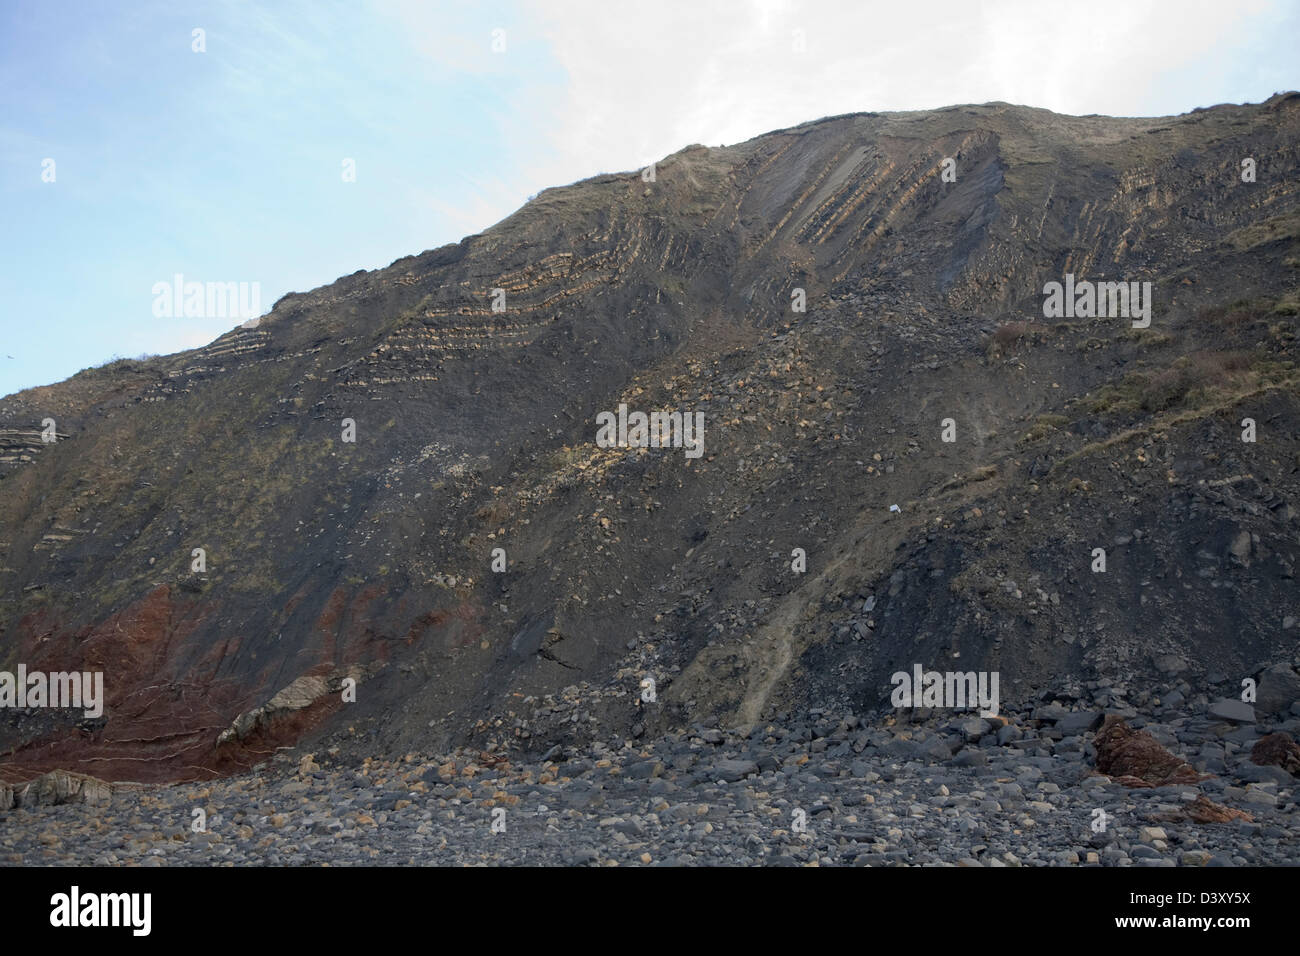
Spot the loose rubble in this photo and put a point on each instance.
(1017, 789)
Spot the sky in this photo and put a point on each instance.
(285, 144)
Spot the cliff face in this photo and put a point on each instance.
(330, 561)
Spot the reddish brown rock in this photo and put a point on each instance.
(1277, 750)
(1204, 810)
(1136, 759)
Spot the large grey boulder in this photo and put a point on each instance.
(1239, 712)
(1278, 689)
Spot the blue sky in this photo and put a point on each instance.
(226, 165)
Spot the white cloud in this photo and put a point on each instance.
(459, 36)
(645, 83)
(643, 80)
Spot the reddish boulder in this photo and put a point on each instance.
(1277, 750)
(1204, 810)
(1136, 759)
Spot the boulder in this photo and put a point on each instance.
(733, 770)
(1079, 722)
(1170, 664)
(1278, 689)
(1205, 810)
(62, 786)
(1137, 759)
(300, 694)
(1237, 711)
(1277, 750)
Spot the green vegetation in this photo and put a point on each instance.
(1148, 338)
(1043, 426)
(1289, 304)
(1195, 380)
